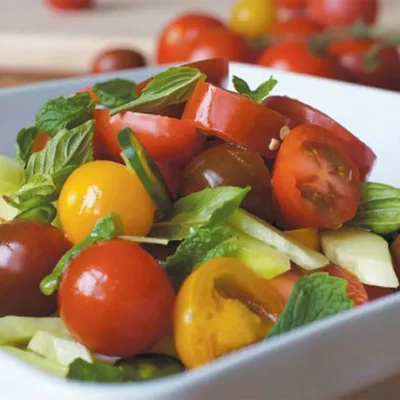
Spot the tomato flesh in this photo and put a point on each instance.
(233, 118)
(299, 113)
(315, 183)
(70, 4)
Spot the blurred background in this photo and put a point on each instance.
(47, 39)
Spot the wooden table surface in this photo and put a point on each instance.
(37, 44)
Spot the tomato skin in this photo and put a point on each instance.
(355, 289)
(172, 176)
(292, 4)
(116, 60)
(70, 4)
(222, 306)
(98, 188)
(376, 292)
(297, 56)
(40, 142)
(341, 13)
(217, 42)
(284, 283)
(184, 28)
(211, 108)
(294, 28)
(167, 140)
(115, 299)
(29, 251)
(315, 183)
(351, 54)
(299, 113)
(227, 165)
(252, 18)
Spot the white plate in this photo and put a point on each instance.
(321, 361)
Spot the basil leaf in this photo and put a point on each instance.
(173, 86)
(199, 247)
(25, 140)
(94, 372)
(68, 148)
(115, 93)
(43, 213)
(314, 297)
(65, 113)
(379, 209)
(208, 208)
(136, 158)
(106, 228)
(258, 95)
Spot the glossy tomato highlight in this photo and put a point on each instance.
(115, 299)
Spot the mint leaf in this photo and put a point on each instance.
(258, 95)
(199, 247)
(379, 209)
(173, 86)
(115, 93)
(94, 372)
(42, 212)
(64, 113)
(68, 148)
(208, 208)
(25, 140)
(107, 228)
(314, 297)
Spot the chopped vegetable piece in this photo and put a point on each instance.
(97, 371)
(307, 237)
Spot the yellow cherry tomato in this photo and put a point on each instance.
(307, 237)
(222, 306)
(252, 18)
(98, 188)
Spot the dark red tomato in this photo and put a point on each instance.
(341, 13)
(29, 251)
(184, 28)
(217, 42)
(115, 299)
(40, 142)
(376, 292)
(167, 140)
(172, 176)
(228, 165)
(355, 289)
(253, 126)
(294, 28)
(367, 62)
(299, 113)
(315, 183)
(298, 56)
(70, 4)
(292, 4)
(117, 59)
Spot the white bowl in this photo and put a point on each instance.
(324, 360)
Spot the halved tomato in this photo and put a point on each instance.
(234, 118)
(167, 140)
(299, 113)
(315, 183)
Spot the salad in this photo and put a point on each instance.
(148, 228)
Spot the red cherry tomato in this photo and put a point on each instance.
(294, 28)
(355, 289)
(217, 42)
(172, 176)
(292, 4)
(361, 64)
(183, 29)
(253, 126)
(40, 142)
(70, 4)
(340, 13)
(115, 299)
(29, 250)
(376, 292)
(297, 56)
(116, 60)
(167, 140)
(315, 183)
(299, 113)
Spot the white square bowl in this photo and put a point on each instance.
(324, 360)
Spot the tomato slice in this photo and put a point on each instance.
(167, 140)
(315, 183)
(376, 292)
(355, 289)
(299, 113)
(234, 118)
